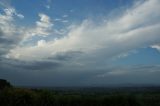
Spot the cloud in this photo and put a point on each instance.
(11, 12)
(125, 70)
(44, 25)
(9, 34)
(156, 47)
(64, 21)
(48, 5)
(5, 4)
(139, 74)
(64, 16)
(20, 16)
(79, 56)
(41, 43)
(66, 56)
(130, 31)
(29, 66)
(49, 75)
(57, 19)
(12, 35)
(61, 20)
(43, 28)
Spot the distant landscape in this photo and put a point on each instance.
(79, 96)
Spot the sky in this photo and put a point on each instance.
(80, 42)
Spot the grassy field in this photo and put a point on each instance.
(129, 96)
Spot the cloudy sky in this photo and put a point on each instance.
(80, 42)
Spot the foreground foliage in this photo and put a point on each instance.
(33, 97)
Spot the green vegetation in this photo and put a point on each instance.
(10, 96)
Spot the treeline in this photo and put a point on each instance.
(10, 96)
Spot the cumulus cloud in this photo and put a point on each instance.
(137, 27)
(12, 35)
(43, 26)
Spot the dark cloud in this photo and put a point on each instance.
(6, 43)
(52, 73)
(66, 56)
(40, 65)
(48, 64)
(30, 65)
(1, 33)
(3, 44)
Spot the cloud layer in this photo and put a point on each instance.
(83, 51)
(138, 27)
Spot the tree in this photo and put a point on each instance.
(4, 84)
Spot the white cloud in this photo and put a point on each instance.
(64, 16)
(64, 21)
(57, 19)
(156, 47)
(138, 27)
(10, 34)
(20, 16)
(11, 12)
(43, 28)
(61, 20)
(6, 21)
(60, 32)
(44, 23)
(41, 43)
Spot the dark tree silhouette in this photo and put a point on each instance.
(4, 84)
